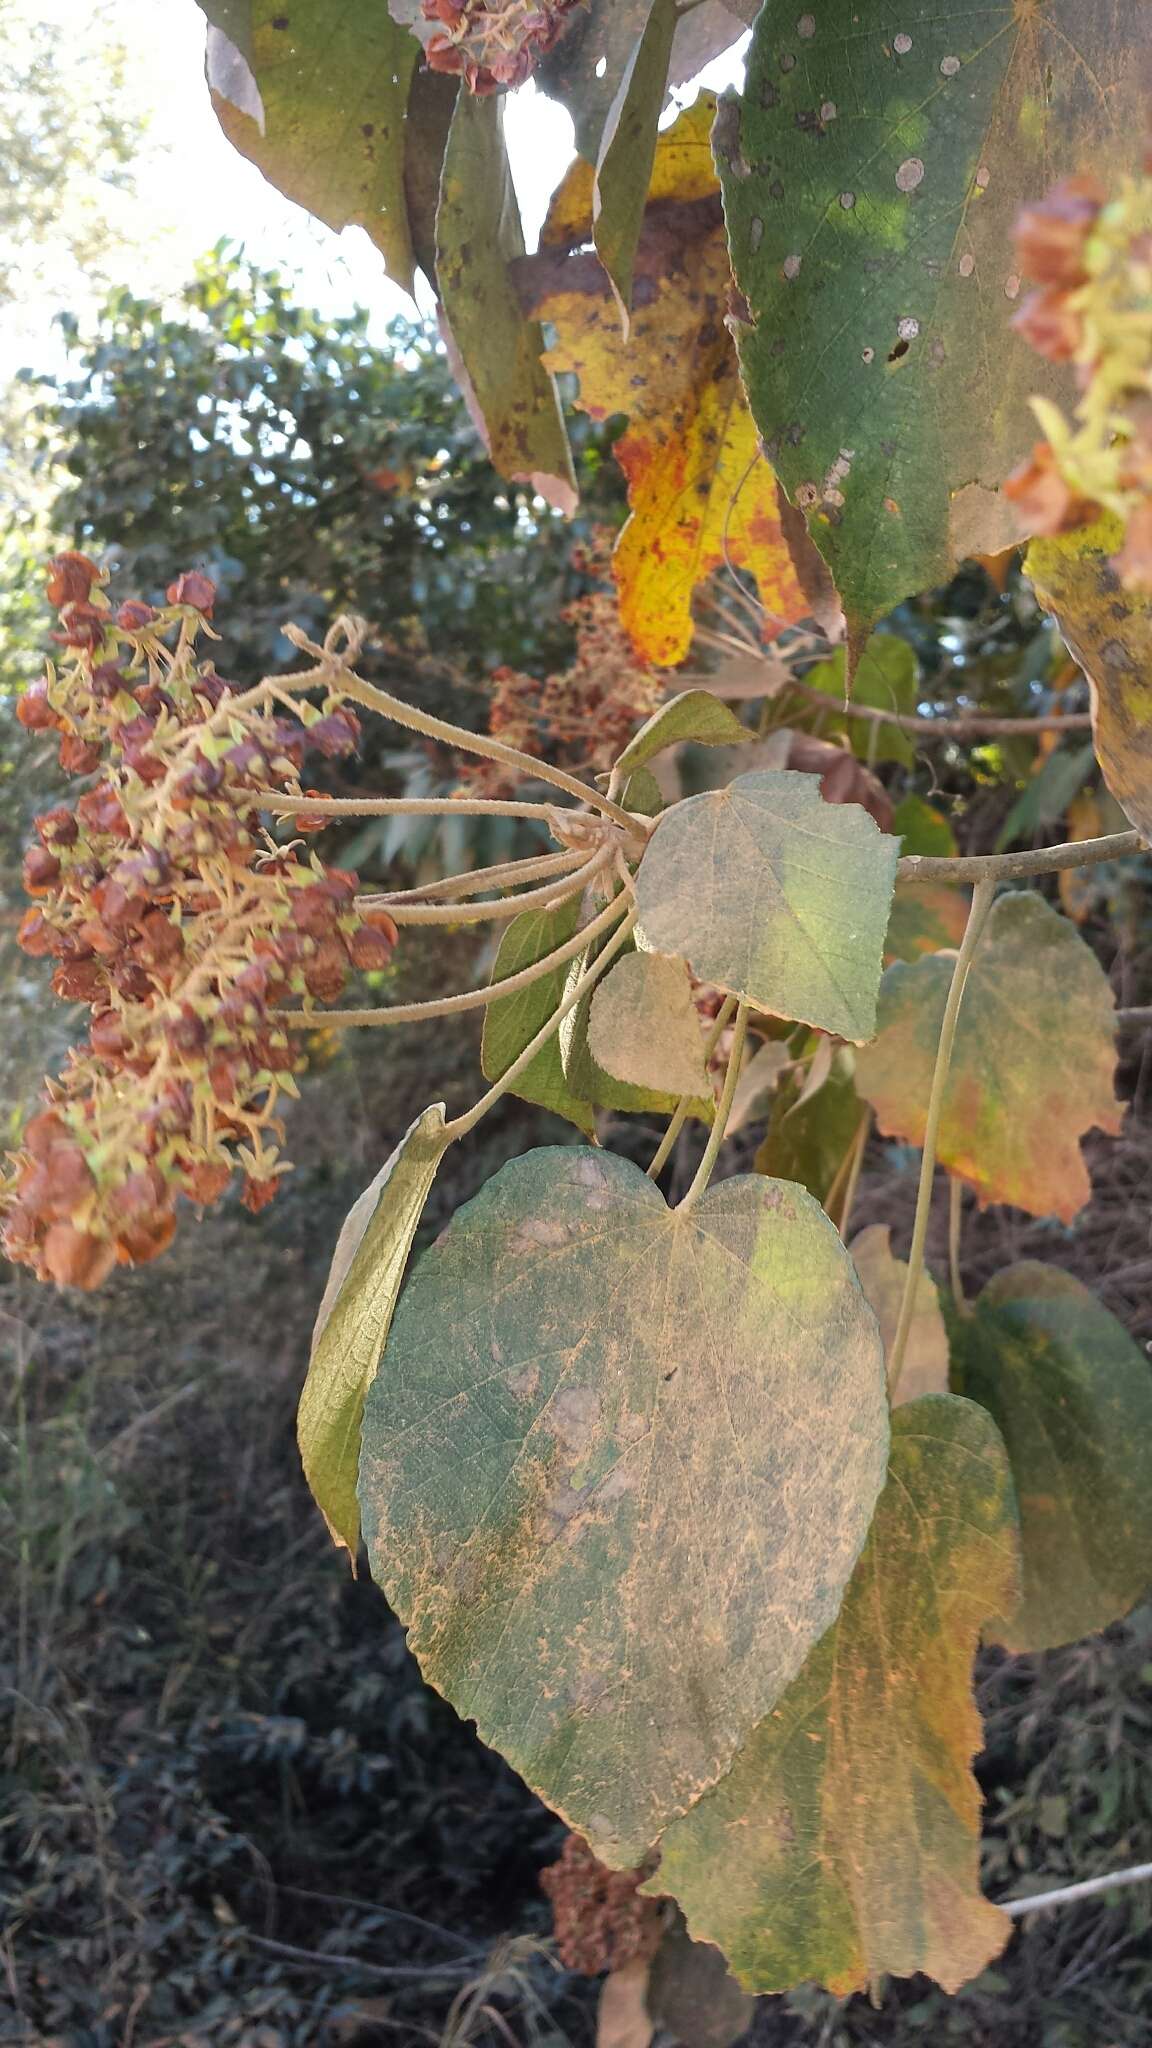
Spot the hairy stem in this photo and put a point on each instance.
(981, 904)
(962, 726)
(397, 806)
(526, 765)
(471, 999)
(1014, 867)
(855, 1163)
(680, 1114)
(507, 875)
(703, 1172)
(463, 1124)
(545, 898)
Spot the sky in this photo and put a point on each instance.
(199, 189)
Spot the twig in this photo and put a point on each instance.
(1067, 1894)
(680, 1114)
(470, 999)
(1136, 1016)
(981, 904)
(471, 1117)
(393, 1973)
(967, 725)
(1012, 867)
(703, 1173)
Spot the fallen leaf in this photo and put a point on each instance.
(590, 1484)
(844, 1844)
(354, 1318)
(1031, 1068)
(775, 895)
(1072, 1397)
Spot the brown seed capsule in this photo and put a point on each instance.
(70, 578)
(74, 1258)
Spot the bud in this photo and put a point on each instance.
(41, 871)
(34, 711)
(134, 616)
(193, 589)
(70, 579)
(77, 756)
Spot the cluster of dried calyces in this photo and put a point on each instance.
(1092, 259)
(175, 916)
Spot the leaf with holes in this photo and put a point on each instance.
(354, 1317)
(844, 1844)
(1109, 630)
(699, 488)
(590, 1483)
(883, 1278)
(511, 1022)
(1072, 1397)
(775, 895)
(328, 124)
(1031, 1068)
(872, 174)
(643, 1026)
(495, 350)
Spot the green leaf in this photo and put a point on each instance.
(812, 1142)
(883, 1278)
(1047, 794)
(872, 174)
(922, 829)
(593, 1082)
(1109, 631)
(926, 917)
(844, 1843)
(696, 716)
(495, 350)
(1072, 1397)
(354, 1317)
(643, 793)
(334, 82)
(627, 150)
(885, 677)
(775, 895)
(643, 1026)
(512, 1021)
(590, 1482)
(1032, 1064)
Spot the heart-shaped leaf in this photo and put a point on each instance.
(643, 1026)
(844, 1843)
(774, 894)
(1031, 1068)
(353, 1319)
(591, 1482)
(1072, 1396)
(695, 715)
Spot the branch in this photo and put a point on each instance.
(981, 905)
(1066, 1894)
(471, 999)
(507, 875)
(547, 897)
(1012, 867)
(703, 1172)
(968, 725)
(396, 806)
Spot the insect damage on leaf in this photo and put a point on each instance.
(353, 1320)
(1072, 1396)
(775, 895)
(1031, 1068)
(844, 1842)
(872, 175)
(590, 1482)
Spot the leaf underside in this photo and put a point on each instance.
(590, 1484)
(844, 1842)
(1031, 1068)
(1072, 1396)
(511, 1022)
(643, 1026)
(775, 895)
(353, 1319)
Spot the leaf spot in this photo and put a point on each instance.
(806, 26)
(909, 174)
(847, 201)
(902, 44)
(791, 267)
(908, 328)
(949, 66)
(572, 1418)
(524, 1384)
(967, 264)
(1011, 285)
(828, 110)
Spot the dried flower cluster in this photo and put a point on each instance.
(175, 916)
(582, 717)
(493, 43)
(600, 1920)
(1092, 258)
